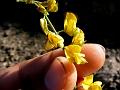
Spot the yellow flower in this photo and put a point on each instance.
(88, 80)
(43, 24)
(70, 24)
(54, 41)
(88, 83)
(78, 39)
(52, 6)
(95, 86)
(73, 54)
(41, 8)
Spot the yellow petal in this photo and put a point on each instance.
(88, 80)
(73, 54)
(98, 83)
(40, 6)
(52, 6)
(78, 39)
(85, 87)
(49, 45)
(43, 23)
(88, 84)
(54, 41)
(79, 58)
(95, 86)
(70, 24)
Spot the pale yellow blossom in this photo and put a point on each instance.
(54, 41)
(42, 9)
(95, 86)
(44, 26)
(52, 6)
(70, 23)
(73, 54)
(88, 83)
(88, 80)
(78, 38)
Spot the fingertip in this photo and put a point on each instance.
(95, 55)
(88, 48)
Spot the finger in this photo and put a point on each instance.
(35, 68)
(80, 88)
(95, 55)
(39, 65)
(62, 75)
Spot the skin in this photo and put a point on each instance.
(51, 71)
(95, 57)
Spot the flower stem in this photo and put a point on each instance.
(50, 24)
(60, 31)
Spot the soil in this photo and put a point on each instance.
(110, 72)
(17, 45)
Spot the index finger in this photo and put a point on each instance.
(95, 56)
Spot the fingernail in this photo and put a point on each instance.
(54, 79)
(102, 47)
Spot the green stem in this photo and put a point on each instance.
(60, 31)
(50, 24)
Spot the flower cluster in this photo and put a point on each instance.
(88, 83)
(54, 40)
(73, 50)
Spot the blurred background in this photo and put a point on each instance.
(21, 37)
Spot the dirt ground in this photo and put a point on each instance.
(17, 45)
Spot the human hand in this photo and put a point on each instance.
(52, 71)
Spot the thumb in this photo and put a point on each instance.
(62, 75)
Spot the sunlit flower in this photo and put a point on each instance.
(70, 23)
(88, 83)
(88, 80)
(73, 54)
(95, 86)
(52, 6)
(78, 39)
(44, 26)
(41, 8)
(54, 41)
